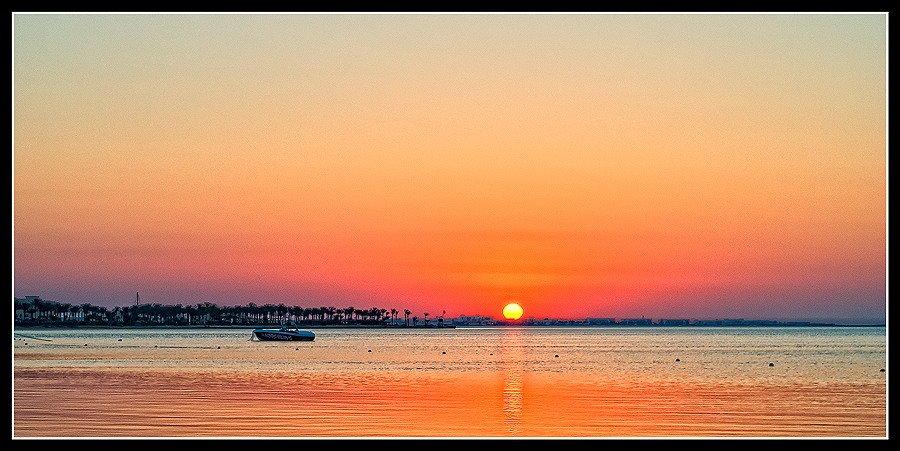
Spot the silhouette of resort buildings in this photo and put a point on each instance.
(477, 320)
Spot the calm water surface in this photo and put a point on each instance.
(464, 382)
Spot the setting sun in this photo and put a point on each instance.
(512, 311)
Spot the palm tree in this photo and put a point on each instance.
(191, 313)
(375, 315)
(406, 313)
(73, 311)
(208, 311)
(254, 312)
(86, 311)
(58, 310)
(37, 306)
(103, 312)
(426, 319)
(269, 313)
(296, 312)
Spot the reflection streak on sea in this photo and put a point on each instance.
(513, 383)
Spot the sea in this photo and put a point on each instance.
(464, 382)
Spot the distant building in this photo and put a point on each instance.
(27, 308)
(600, 321)
(636, 322)
(476, 320)
(674, 322)
(708, 322)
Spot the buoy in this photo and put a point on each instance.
(677, 360)
(771, 364)
(443, 352)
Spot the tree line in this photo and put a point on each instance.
(38, 311)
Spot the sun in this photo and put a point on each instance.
(512, 311)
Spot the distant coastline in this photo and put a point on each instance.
(28, 325)
(32, 311)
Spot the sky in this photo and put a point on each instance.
(580, 165)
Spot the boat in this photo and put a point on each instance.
(283, 334)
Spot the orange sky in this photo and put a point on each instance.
(581, 165)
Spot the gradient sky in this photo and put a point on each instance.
(582, 165)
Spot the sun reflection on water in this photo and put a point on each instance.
(513, 385)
